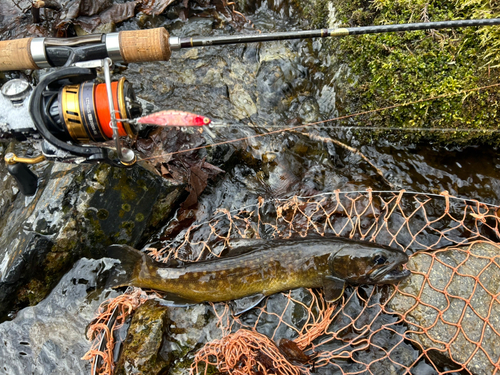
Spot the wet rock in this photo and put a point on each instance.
(242, 101)
(190, 328)
(164, 338)
(456, 305)
(141, 350)
(8, 187)
(272, 85)
(77, 211)
(308, 109)
(13, 22)
(50, 338)
(118, 204)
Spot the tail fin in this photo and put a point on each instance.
(130, 260)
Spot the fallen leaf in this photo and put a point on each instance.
(114, 14)
(164, 171)
(154, 7)
(197, 182)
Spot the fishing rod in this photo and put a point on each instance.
(157, 44)
(74, 111)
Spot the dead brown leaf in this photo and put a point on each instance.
(116, 13)
(199, 174)
(154, 7)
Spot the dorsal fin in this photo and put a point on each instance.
(239, 246)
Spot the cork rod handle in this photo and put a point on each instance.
(16, 55)
(145, 45)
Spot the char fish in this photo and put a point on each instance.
(264, 267)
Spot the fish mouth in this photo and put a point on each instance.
(392, 275)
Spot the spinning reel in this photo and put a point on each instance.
(71, 111)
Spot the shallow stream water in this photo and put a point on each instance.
(253, 89)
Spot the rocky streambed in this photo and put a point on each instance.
(247, 91)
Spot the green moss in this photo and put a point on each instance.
(79, 178)
(33, 293)
(56, 263)
(128, 226)
(125, 186)
(208, 369)
(98, 234)
(164, 206)
(102, 214)
(316, 11)
(398, 68)
(141, 351)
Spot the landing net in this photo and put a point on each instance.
(444, 319)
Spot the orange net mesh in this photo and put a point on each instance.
(110, 317)
(445, 318)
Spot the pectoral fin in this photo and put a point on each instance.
(239, 306)
(333, 288)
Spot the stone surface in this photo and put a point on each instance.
(190, 328)
(8, 187)
(141, 350)
(77, 211)
(162, 338)
(50, 338)
(457, 311)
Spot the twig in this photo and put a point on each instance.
(49, 4)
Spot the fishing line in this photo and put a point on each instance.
(345, 127)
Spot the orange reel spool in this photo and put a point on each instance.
(102, 108)
(85, 110)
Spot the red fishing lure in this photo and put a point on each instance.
(174, 118)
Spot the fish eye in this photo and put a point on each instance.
(206, 120)
(379, 259)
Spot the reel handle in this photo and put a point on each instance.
(27, 181)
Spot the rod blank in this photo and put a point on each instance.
(324, 33)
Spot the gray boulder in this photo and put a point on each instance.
(451, 304)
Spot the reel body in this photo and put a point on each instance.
(71, 111)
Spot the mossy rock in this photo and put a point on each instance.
(394, 69)
(142, 348)
(77, 211)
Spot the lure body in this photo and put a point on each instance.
(174, 118)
